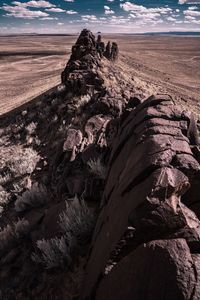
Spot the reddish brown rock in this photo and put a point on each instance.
(152, 168)
(156, 270)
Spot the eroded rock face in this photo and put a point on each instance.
(161, 269)
(81, 70)
(146, 236)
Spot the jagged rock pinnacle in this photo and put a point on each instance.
(81, 70)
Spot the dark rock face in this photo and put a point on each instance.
(112, 51)
(145, 237)
(81, 70)
(153, 271)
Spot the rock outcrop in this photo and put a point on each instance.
(81, 72)
(146, 241)
(88, 152)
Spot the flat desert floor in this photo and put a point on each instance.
(30, 65)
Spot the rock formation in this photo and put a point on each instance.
(146, 241)
(81, 71)
(84, 153)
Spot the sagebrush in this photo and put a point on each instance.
(13, 232)
(35, 197)
(76, 224)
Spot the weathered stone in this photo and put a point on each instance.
(193, 133)
(73, 139)
(108, 105)
(196, 260)
(155, 271)
(81, 70)
(152, 168)
(94, 126)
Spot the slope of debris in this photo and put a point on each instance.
(92, 150)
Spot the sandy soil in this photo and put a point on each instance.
(31, 65)
(165, 64)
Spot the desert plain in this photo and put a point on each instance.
(31, 65)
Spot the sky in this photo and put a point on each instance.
(107, 16)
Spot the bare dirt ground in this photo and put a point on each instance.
(164, 64)
(30, 65)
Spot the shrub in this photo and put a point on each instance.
(52, 253)
(23, 161)
(21, 227)
(77, 221)
(12, 232)
(97, 168)
(7, 235)
(4, 196)
(5, 178)
(76, 224)
(35, 197)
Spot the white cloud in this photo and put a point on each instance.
(196, 22)
(189, 2)
(108, 10)
(193, 13)
(27, 14)
(143, 15)
(49, 18)
(128, 6)
(71, 12)
(189, 18)
(89, 18)
(192, 7)
(55, 9)
(21, 10)
(171, 19)
(38, 4)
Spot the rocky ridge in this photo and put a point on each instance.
(89, 151)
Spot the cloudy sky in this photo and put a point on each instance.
(70, 16)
